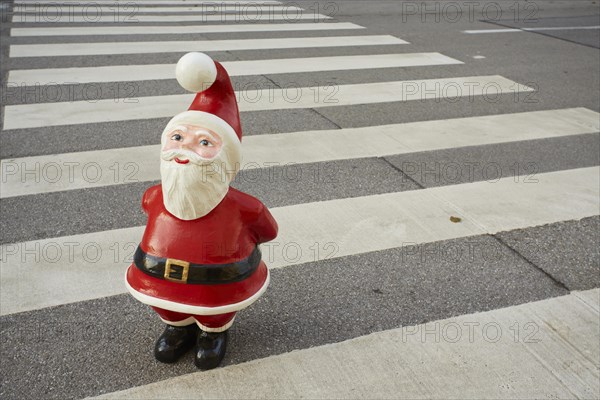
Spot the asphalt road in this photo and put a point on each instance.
(70, 331)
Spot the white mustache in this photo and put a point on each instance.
(194, 158)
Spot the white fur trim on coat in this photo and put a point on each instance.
(219, 329)
(184, 322)
(196, 310)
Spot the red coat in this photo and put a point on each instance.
(227, 234)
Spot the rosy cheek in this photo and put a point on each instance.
(207, 151)
(171, 145)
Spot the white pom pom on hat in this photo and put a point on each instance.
(214, 105)
(196, 72)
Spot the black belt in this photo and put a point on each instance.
(199, 274)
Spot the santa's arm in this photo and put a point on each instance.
(149, 197)
(264, 226)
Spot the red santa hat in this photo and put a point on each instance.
(214, 106)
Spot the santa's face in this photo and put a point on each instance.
(191, 142)
(194, 170)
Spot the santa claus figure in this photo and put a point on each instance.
(199, 261)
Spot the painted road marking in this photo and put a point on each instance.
(150, 2)
(287, 15)
(163, 30)
(91, 49)
(541, 29)
(94, 9)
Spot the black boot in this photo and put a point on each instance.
(210, 349)
(174, 342)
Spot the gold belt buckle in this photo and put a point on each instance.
(185, 268)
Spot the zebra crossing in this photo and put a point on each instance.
(374, 257)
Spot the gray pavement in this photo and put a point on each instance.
(570, 258)
(103, 345)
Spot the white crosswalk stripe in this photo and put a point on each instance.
(539, 29)
(124, 16)
(94, 9)
(131, 73)
(32, 3)
(187, 29)
(90, 49)
(48, 266)
(58, 172)
(327, 95)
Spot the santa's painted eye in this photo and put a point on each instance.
(205, 142)
(177, 137)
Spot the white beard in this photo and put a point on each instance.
(193, 190)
